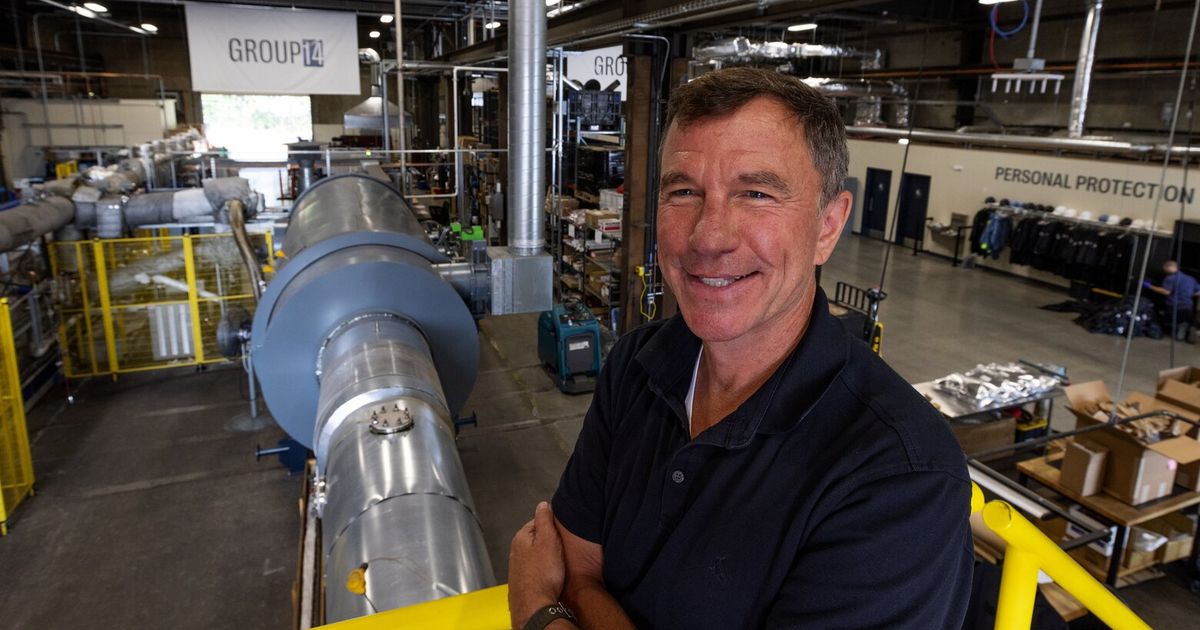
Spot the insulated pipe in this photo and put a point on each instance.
(27, 223)
(526, 124)
(365, 354)
(1083, 69)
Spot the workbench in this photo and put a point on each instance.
(1116, 512)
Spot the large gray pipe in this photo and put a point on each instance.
(526, 124)
(365, 355)
(1083, 69)
(27, 223)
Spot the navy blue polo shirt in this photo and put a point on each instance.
(834, 497)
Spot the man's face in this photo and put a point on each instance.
(740, 227)
(1170, 268)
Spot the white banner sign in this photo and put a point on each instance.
(605, 65)
(261, 50)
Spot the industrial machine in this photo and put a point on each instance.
(569, 346)
(366, 350)
(365, 345)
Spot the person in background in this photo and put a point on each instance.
(1180, 290)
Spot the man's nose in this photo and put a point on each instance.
(714, 231)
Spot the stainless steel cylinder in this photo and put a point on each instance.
(398, 501)
(365, 353)
(527, 124)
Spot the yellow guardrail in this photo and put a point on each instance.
(16, 464)
(478, 610)
(1028, 551)
(147, 303)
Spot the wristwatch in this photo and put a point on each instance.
(547, 614)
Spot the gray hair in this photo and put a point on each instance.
(723, 92)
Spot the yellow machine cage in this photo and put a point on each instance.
(16, 465)
(147, 303)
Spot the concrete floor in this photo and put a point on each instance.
(152, 512)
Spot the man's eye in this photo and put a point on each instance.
(757, 194)
(682, 192)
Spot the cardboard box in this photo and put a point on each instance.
(1179, 530)
(610, 199)
(1181, 387)
(1083, 467)
(1135, 472)
(1186, 374)
(594, 218)
(1188, 476)
(974, 437)
(1182, 395)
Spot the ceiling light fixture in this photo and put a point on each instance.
(85, 12)
(95, 7)
(491, 26)
(387, 18)
(138, 30)
(373, 34)
(149, 28)
(991, 2)
(796, 28)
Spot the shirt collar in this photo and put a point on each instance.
(780, 404)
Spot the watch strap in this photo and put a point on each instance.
(547, 614)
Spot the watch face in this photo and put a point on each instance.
(559, 609)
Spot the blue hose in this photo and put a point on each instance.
(1006, 34)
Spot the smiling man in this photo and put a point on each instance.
(747, 464)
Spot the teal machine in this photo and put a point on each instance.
(569, 346)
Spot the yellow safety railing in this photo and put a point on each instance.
(147, 303)
(1028, 551)
(16, 464)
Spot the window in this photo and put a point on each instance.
(256, 127)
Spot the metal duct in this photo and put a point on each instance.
(365, 354)
(369, 114)
(870, 110)
(1083, 69)
(526, 124)
(237, 224)
(743, 50)
(27, 223)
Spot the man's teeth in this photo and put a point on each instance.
(720, 282)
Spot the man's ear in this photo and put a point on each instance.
(831, 221)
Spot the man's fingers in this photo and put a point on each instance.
(543, 518)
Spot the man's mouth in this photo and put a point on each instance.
(720, 281)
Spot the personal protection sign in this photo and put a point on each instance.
(264, 50)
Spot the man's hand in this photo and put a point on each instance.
(535, 567)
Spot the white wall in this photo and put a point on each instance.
(94, 123)
(960, 179)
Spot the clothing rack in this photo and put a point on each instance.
(1088, 222)
(1118, 282)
